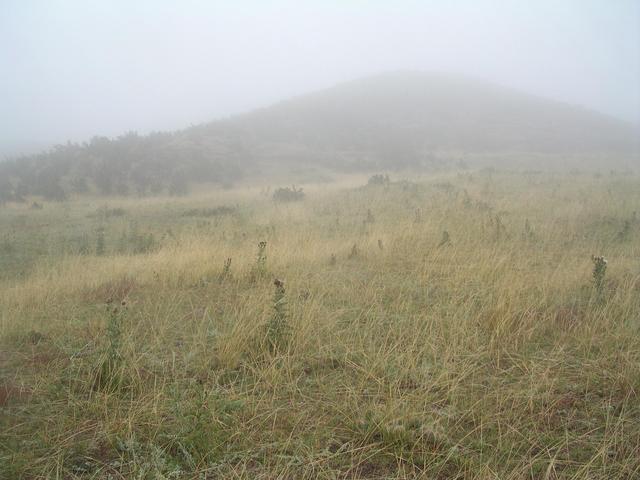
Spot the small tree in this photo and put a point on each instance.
(379, 179)
(288, 194)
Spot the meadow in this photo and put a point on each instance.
(453, 325)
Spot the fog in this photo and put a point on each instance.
(74, 69)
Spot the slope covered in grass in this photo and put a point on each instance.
(423, 112)
(391, 353)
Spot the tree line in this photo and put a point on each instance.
(130, 164)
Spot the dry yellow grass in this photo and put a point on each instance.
(490, 357)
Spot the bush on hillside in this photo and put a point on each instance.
(288, 194)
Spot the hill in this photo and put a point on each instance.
(422, 112)
(393, 120)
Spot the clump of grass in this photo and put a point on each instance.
(397, 436)
(203, 424)
(109, 373)
(210, 212)
(133, 241)
(105, 213)
(355, 251)
(34, 337)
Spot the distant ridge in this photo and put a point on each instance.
(399, 119)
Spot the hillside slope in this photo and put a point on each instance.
(417, 112)
(386, 121)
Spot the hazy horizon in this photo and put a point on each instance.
(78, 70)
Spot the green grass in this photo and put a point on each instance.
(491, 355)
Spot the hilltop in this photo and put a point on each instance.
(430, 112)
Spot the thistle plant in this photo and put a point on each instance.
(500, 228)
(370, 218)
(528, 231)
(84, 247)
(226, 270)
(100, 242)
(466, 201)
(114, 331)
(445, 240)
(277, 329)
(108, 376)
(261, 259)
(599, 270)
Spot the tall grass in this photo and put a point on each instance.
(493, 354)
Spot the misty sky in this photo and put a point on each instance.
(74, 69)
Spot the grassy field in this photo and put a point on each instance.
(451, 326)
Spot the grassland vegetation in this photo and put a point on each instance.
(480, 324)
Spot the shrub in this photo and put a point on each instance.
(135, 242)
(288, 194)
(379, 179)
(210, 212)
